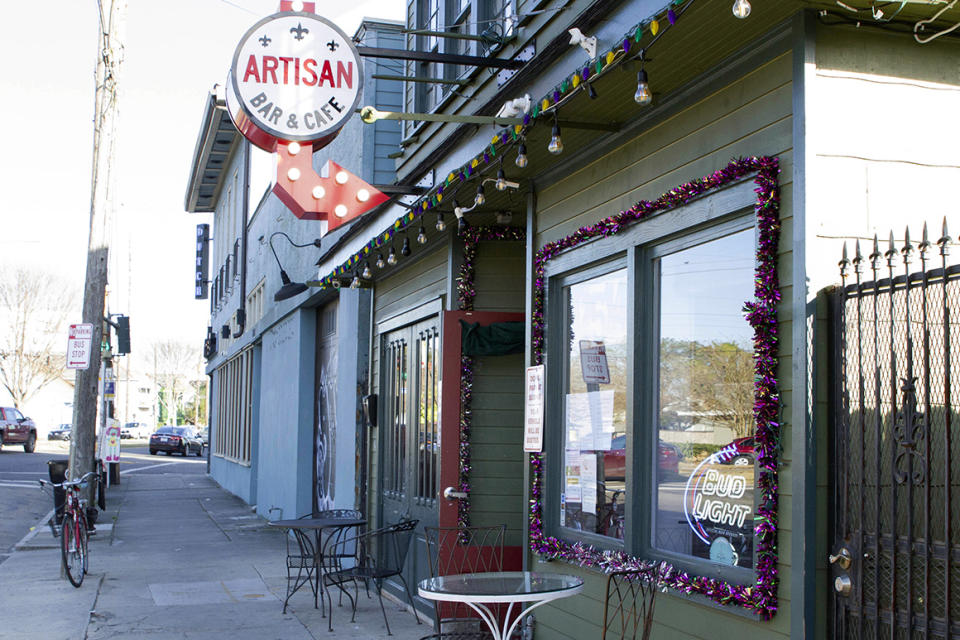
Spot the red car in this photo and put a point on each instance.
(16, 429)
(614, 459)
(739, 452)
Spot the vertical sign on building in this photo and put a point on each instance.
(203, 258)
(533, 413)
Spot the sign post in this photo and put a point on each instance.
(79, 344)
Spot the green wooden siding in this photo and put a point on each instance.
(496, 444)
(749, 116)
(500, 276)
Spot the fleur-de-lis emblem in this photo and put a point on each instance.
(299, 31)
(264, 40)
(332, 45)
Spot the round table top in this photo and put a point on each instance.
(507, 586)
(317, 523)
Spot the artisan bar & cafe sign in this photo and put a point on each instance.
(295, 80)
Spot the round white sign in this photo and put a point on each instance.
(295, 76)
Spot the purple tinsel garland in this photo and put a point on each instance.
(466, 293)
(760, 597)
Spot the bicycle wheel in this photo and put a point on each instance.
(73, 548)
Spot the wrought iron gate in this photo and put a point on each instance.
(896, 547)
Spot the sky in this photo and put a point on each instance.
(174, 52)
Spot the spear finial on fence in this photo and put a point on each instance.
(924, 246)
(844, 263)
(891, 251)
(875, 256)
(857, 259)
(944, 240)
(907, 247)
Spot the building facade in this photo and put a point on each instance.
(662, 211)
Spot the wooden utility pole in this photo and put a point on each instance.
(109, 58)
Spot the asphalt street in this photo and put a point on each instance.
(24, 505)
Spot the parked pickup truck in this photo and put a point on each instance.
(16, 429)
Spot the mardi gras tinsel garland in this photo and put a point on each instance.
(760, 597)
(466, 293)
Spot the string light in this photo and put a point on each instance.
(501, 183)
(392, 257)
(741, 8)
(335, 283)
(381, 263)
(481, 196)
(591, 92)
(643, 96)
(405, 249)
(355, 283)
(556, 143)
(422, 235)
(367, 273)
(521, 160)
(441, 225)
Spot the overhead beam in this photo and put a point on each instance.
(442, 58)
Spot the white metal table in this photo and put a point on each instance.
(481, 589)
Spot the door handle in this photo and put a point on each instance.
(841, 558)
(450, 494)
(843, 585)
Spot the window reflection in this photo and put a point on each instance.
(595, 433)
(705, 484)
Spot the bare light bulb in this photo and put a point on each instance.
(441, 224)
(367, 273)
(481, 196)
(422, 235)
(521, 160)
(405, 249)
(556, 143)
(355, 283)
(501, 183)
(392, 256)
(643, 96)
(741, 8)
(380, 261)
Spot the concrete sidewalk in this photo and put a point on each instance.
(175, 556)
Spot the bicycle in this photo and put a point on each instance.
(73, 530)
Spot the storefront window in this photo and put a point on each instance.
(595, 405)
(704, 504)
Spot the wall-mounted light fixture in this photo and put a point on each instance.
(288, 289)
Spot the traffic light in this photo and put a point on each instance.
(123, 335)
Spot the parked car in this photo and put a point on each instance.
(17, 429)
(135, 430)
(738, 453)
(62, 432)
(614, 459)
(205, 436)
(182, 440)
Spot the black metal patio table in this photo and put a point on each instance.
(300, 527)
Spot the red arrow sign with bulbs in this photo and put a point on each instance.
(337, 196)
(296, 79)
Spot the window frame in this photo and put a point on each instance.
(712, 216)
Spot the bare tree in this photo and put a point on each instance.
(174, 366)
(34, 309)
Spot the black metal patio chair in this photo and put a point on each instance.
(373, 556)
(301, 563)
(455, 550)
(628, 604)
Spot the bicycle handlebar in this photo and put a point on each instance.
(70, 483)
